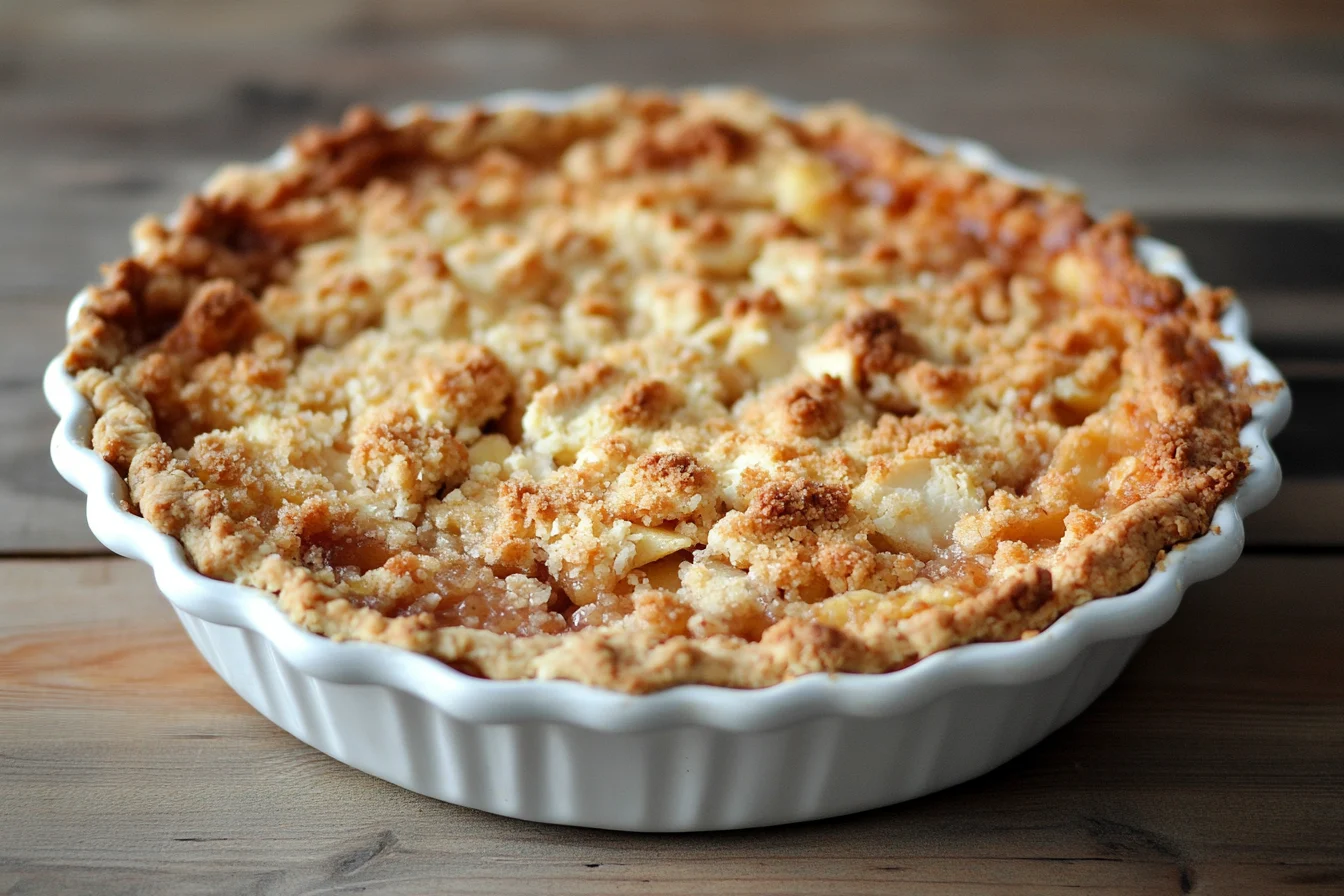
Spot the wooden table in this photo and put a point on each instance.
(1215, 765)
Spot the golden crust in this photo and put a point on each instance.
(661, 389)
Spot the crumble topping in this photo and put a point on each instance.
(656, 390)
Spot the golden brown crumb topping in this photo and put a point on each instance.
(660, 389)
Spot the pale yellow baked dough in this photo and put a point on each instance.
(661, 389)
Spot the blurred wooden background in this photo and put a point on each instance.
(1217, 765)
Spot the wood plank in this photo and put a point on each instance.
(1308, 448)
(1212, 766)
(39, 512)
(1285, 254)
(1227, 19)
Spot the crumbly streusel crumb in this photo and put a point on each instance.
(660, 389)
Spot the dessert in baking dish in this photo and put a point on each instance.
(656, 390)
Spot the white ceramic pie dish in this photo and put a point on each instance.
(693, 757)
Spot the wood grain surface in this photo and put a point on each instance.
(1215, 765)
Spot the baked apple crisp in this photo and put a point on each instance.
(656, 390)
